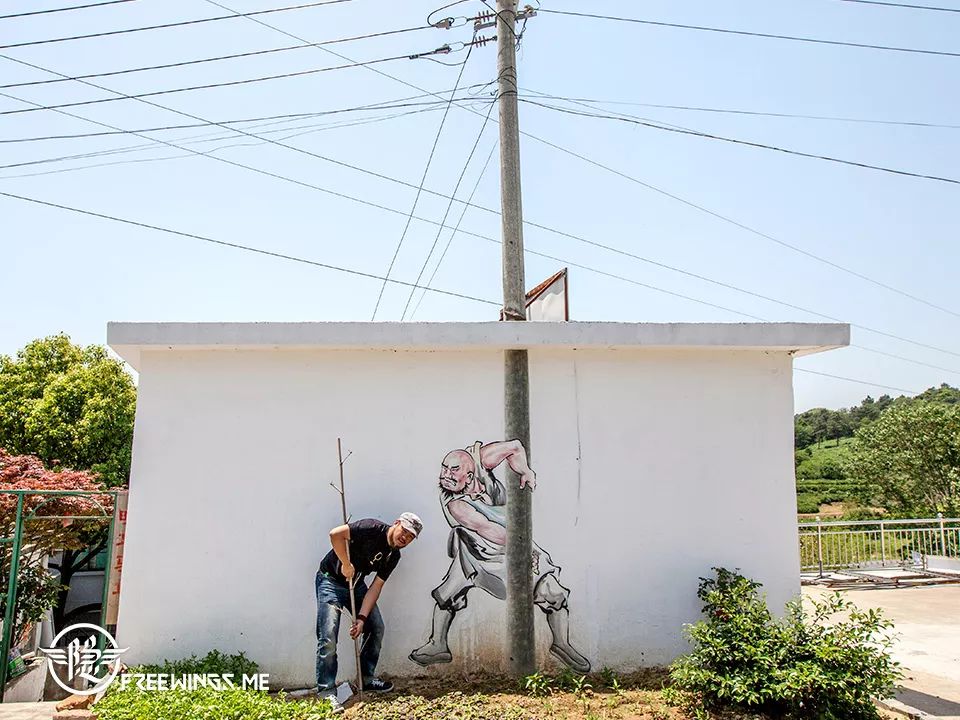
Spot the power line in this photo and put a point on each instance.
(207, 86)
(446, 213)
(649, 186)
(64, 9)
(749, 229)
(745, 33)
(420, 189)
(860, 382)
(328, 266)
(423, 179)
(207, 138)
(466, 206)
(217, 58)
(487, 209)
(238, 246)
(747, 143)
(182, 23)
(752, 113)
(905, 5)
(387, 104)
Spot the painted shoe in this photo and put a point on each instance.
(429, 655)
(571, 658)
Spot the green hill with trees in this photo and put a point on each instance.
(889, 456)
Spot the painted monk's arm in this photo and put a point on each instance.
(512, 451)
(473, 520)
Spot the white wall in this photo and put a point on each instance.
(653, 466)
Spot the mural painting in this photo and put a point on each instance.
(474, 501)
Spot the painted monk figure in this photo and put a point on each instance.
(474, 503)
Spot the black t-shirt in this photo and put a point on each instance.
(369, 552)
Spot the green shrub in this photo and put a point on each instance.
(204, 704)
(807, 665)
(213, 663)
(808, 502)
(822, 466)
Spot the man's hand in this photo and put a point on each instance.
(348, 570)
(356, 629)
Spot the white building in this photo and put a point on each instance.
(660, 452)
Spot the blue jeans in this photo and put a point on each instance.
(332, 599)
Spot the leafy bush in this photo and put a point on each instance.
(807, 665)
(213, 663)
(37, 592)
(822, 465)
(204, 704)
(808, 502)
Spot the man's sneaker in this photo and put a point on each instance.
(377, 685)
(335, 707)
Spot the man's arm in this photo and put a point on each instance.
(339, 539)
(369, 602)
(473, 520)
(513, 452)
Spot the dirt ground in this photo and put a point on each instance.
(640, 698)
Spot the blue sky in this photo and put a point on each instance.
(64, 272)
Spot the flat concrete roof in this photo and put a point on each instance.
(129, 340)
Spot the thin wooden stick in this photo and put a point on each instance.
(353, 602)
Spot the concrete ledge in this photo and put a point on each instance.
(129, 339)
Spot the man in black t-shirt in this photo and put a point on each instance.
(359, 548)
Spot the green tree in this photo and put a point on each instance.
(910, 457)
(944, 394)
(72, 407)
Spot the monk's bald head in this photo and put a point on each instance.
(457, 470)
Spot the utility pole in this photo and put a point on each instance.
(516, 379)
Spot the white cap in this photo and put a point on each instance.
(411, 522)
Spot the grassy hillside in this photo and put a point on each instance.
(822, 480)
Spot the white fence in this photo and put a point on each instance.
(877, 543)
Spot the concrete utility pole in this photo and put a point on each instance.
(516, 380)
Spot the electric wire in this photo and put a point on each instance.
(746, 143)
(392, 210)
(420, 189)
(905, 5)
(197, 140)
(446, 212)
(181, 23)
(191, 88)
(231, 133)
(853, 380)
(391, 104)
(329, 266)
(665, 193)
(423, 180)
(466, 206)
(218, 58)
(751, 113)
(64, 9)
(772, 36)
(237, 246)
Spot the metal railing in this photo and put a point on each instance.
(877, 543)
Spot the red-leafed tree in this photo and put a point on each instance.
(42, 537)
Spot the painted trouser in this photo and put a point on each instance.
(332, 600)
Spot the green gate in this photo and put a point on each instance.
(16, 543)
